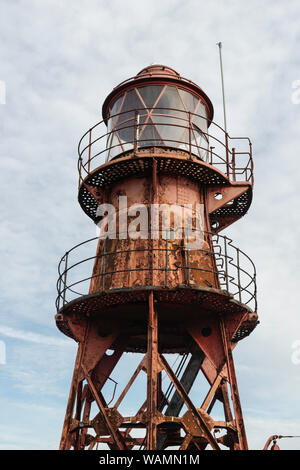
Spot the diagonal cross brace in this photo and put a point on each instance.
(187, 380)
(115, 433)
(188, 402)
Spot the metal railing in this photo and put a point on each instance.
(176, 129)
(233, 269)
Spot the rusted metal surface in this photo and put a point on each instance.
(126, 262)
(92, 189)
(111, 425)
(65, 438)
(217, 264)
(274, 440)
(234, 387)
(155, 295)
(197, 423)
(235, 165)
(175, 403)
(152, 375)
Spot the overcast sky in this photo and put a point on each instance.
(59, 60)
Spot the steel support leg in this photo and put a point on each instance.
(65, 441)
(152, 375)
(234, 388)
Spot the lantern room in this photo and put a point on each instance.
(157, 108)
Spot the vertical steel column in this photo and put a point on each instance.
(64, 444)
(226, 403)
(234, 388)
(154, 242)
(78, 413)
(152, 373)
(85, 418)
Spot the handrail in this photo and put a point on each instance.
(234, 269)
(179, 130)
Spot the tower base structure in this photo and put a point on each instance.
(159, 420)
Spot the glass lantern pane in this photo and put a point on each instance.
(167, 125)
(115, 147)
(201, 142)
(171, 129)
(190, 101)
(115, 108)
(169, 99)
(126, 119)
(200, 119)
(132, 101)
(149, 136)
(150, 94)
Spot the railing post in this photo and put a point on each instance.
(80, 168)
(211, 154)
(227, 154)
(226, 264)
(239, 274)
(233, 164)
(65, 278)
(250, 145)
(136, 130)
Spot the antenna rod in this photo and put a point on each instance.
(219, 44)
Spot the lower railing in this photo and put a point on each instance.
(156, 263)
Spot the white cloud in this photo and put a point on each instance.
(33, 337)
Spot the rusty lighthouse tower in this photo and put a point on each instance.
(159, 293)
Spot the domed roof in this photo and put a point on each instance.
(157, 69)
(157, 73)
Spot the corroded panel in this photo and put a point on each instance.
(167, 260)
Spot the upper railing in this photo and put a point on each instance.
(80, 268)
(138, 129)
